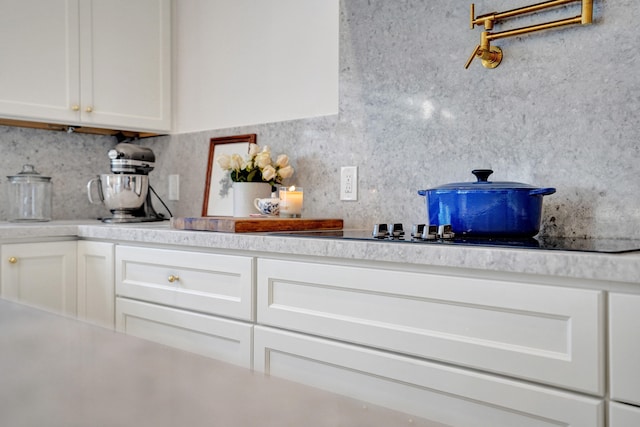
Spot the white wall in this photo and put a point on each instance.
(243, 62)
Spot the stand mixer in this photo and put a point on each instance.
(125, 192)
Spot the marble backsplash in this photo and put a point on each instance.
(71, 160)
(560, 111)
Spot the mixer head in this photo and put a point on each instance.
(131, 159)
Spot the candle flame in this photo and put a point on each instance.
(292, 188)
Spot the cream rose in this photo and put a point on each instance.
(224, 161)
(286, 172)
(268, 173)
(236, 162)
(282, 160)
(254, 149)
(263, 159)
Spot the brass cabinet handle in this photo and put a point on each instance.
(75, 107)
(173, 278)
(13, 260)
(89, 109)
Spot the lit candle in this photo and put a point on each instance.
(291, 201)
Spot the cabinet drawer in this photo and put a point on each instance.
(205, 282)
(453, 396)
(621, 415)
(624, 347)
(548, 334)
(222, 339)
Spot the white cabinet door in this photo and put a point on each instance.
(41, 274)
(91, 63)
(548, 334)
(125, 64)
(96, 287)
(439, 392)
(40, 72)
(624, 347)
(221, 339)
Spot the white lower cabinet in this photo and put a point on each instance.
(462, 350)
(546, 334)
(438, 392)
(197, 301)
(200, 281)
(622, 415)
(222, 339)
(624, 347)
(41, 274)
(96, 290)
(624, 360)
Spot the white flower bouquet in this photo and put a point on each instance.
(258, 166)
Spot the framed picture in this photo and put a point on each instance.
(218, 191)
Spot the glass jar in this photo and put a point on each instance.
(29, 196)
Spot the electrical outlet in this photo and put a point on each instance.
(174, 187)
(349, 183)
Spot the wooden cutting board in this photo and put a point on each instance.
(229, 224)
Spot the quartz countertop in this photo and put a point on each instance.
(57, 371)
(609, 268)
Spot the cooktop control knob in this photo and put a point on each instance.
(380, 231)
(430, 233)
(445, 232)
(416, 231)
(396, 231)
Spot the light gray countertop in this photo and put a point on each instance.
(567, 264)
(58, 371)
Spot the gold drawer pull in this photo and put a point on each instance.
(13, 260)
(173, 278)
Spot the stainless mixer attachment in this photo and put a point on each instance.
(131, 158)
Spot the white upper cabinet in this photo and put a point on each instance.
(98, 63)
(125, 64)
(40, 51)
(243, 62)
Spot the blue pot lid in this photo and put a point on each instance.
(482, 184)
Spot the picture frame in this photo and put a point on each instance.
(218, 191)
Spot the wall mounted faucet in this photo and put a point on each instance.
(491, 56)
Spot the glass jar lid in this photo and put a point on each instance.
(29, 174)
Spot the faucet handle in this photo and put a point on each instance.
(491, 56)
(472, 24)
(472, 57)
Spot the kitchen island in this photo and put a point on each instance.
(58, 371)
(462, 335)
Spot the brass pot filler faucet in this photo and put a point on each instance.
(491, 56)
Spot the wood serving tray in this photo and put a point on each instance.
(229, 224)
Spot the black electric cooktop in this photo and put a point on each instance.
(538, 242)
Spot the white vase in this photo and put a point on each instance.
(244, 193)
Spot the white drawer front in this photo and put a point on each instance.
(624, 347)
(441, 393)
(542, 333)
(210, 283)
(222, 339)
(621, 415)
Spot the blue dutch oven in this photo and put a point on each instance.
(486, 208)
